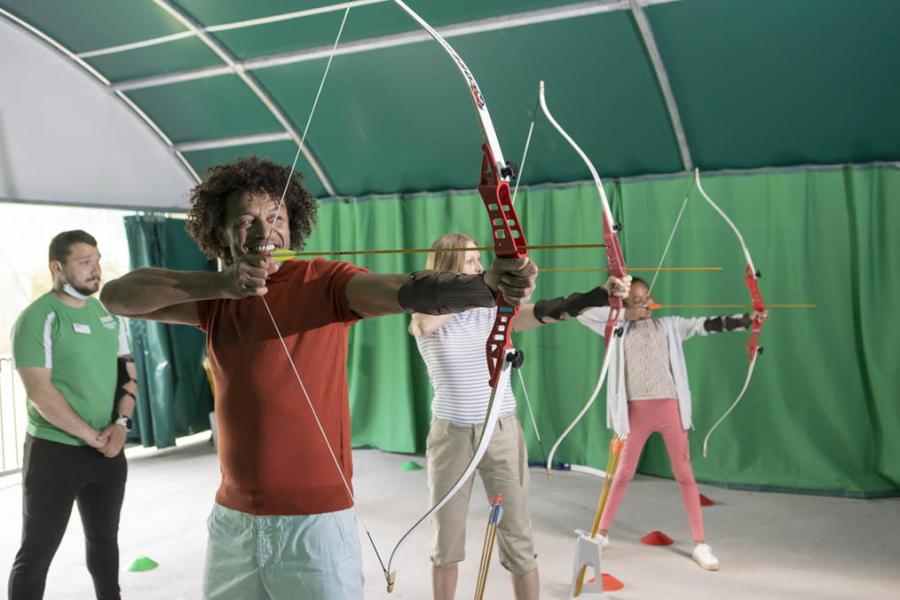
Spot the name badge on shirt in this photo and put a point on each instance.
(80, 328)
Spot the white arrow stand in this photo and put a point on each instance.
(587, 554)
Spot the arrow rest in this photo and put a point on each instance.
(510, 171)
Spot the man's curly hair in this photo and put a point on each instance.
(256, 176)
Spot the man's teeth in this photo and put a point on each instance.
(265, 248)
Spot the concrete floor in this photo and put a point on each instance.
(774, 546)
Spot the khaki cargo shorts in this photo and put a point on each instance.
(503, 469)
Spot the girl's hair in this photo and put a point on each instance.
(635, 281)
(448, 261)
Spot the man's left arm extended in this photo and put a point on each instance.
(437, 293)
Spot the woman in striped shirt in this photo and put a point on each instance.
(452, 347)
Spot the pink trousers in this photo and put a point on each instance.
(645, 417)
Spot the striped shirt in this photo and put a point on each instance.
(457, 366)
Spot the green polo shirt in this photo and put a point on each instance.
(80, 347)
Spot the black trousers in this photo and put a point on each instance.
(54, 477)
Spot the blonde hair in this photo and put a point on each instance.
(449, 261)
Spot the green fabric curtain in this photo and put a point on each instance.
(174, 398)
(821, 413)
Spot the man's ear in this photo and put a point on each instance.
(224, 249)
(224, 253)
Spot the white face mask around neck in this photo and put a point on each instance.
(67, 288)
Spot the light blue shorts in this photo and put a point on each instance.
(308, 557)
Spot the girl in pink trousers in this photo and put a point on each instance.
(648, 391)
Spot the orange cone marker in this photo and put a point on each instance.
(610, 583)
(657, 538)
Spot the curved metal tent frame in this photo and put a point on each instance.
(641, 92)
(80, 62)
(242, 69)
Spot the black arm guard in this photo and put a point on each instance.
(440, 293)
(123, 377)
(717, 324)
(570, 306)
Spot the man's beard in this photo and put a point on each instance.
(87, 290)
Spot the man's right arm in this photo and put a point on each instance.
(51, 404)
(171, 296)
(161, 294)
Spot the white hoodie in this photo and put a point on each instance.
(678, 329)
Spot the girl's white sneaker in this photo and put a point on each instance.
(704, 557)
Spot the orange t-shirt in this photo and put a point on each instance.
(271, 453)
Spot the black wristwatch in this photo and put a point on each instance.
(124, 421)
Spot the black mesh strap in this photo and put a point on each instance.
(440, 293)
(571, 305)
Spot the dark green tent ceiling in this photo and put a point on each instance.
(756, 82)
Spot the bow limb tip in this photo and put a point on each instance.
(391, 580)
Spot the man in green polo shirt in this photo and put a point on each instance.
(73, 359)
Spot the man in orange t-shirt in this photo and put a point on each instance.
(283, 524)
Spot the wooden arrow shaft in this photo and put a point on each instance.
(604, 270)
(663, 306)
(289, 254)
